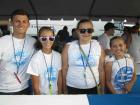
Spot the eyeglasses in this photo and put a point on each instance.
(46, 38)
(83, 31)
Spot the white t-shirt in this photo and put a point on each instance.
(9, 49)
(134, 50)
(77, 77)
(45, 71)
(122, 72)
(104, 41)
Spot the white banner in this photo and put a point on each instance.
(43, 100)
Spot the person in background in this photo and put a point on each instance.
(16, 51)
(83, 62)
(127, 36)
(74, 35)
(119, 68)
(63, 34)
(61, 39)
(104, 39)
(45, 66)
(134, 47)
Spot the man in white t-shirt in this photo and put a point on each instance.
(104, 39)
(16, 51)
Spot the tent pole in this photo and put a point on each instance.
(90, 16)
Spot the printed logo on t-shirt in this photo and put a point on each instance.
(81, 61)
(20, 58)
(50, 74)
(123, 76)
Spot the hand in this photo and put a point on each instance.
(124, 91)
(128, 87)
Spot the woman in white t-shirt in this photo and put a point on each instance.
(45, 66)
(83, 62)
(119, 68)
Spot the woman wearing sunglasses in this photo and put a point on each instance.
(45, 66)
(83, 63)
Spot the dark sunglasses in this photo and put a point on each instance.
(83, 31)
(46, 38)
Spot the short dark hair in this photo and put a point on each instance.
(19, 12)
(127, 29)
(83, 21)
(114, 38)
(108, 26)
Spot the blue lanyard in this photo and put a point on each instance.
(84, 58)
(18, 62)
(49, 74)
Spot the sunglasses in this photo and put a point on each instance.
(83, 31)
(46, 38)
